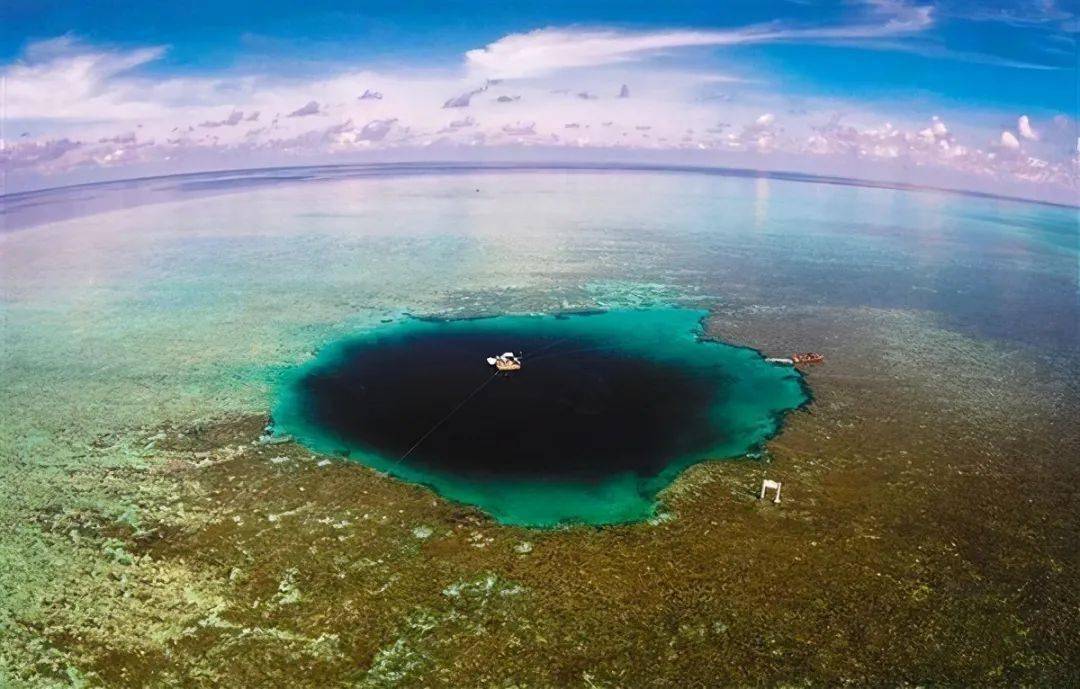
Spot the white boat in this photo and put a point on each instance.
(506, 361)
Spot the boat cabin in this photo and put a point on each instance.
(506, 361)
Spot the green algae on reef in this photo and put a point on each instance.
(609, 408)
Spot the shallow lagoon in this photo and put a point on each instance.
(607, 410)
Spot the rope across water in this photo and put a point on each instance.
(446, 418)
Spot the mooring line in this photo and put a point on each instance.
(530, 355)
(572, 351)
(444, 419)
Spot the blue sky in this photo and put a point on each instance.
(978, 53)
(978, 66)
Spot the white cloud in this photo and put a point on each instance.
(545, 51)
(1023, 125)
(66, 79)
(37, 154)
(458, 124)
(934, 147)
(463, 100)
(520, 129)
(376, 130)
(309, 108)
(232, 120)
(137, 120)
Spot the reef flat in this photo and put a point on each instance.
(155, 537)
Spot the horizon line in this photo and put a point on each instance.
(599, 166)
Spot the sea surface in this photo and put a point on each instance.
(186, 304)
(156, 534)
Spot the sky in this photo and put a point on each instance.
(963, 94)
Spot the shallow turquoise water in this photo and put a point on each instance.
(609, 411)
